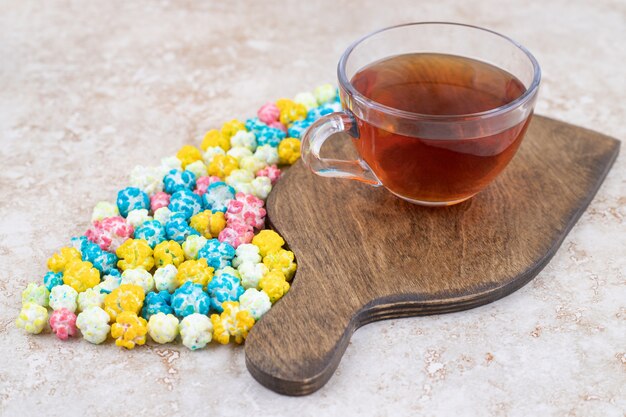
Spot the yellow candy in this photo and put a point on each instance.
(215, 138)
(229, 129)
(197, 272)
(208, 224)
(57, 262)
(290, 111)
(135, 253)
(222, 165)
(232, 322)
(289, 151)
(32, 318)
(81, 275)
(168, 252)
(268, 241)
(126, 297)
(129, 330)
(281, 261)
(188, 154)
(274, 285)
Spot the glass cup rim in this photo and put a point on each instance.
(363, 100)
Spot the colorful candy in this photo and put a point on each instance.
(246, 209)
(256, 302)
(186, 202)
(63, 323)
(138, 217)
(52, 279)
(198, 169)
(177, 180)
(38, 294)
(289, 151)
(152, 232)
(246, 253)
(243, 139)
(110, 233)
(197, 272)
(233, 321)
(222, 165)
(81, 275)
(140, 277)
(129, 330)
(94, 324)
(58, 261)
(92, 297)
(223, 288)
(196, 331)
(156, 302)
(281, 261)
(126, 297)
(163, 328)
(165, 278)
(104, 209)
(214, 138)
(168, 253)
(218, 254)
(274, 285)
(132, 198)
(32, 318)
(208, 224)
(178, 229)
(325, 93)
(158, 200)
(190, 299)
(251, 273)
(63, 296)
(230, 129)
(272, 172)
(188, 154)
(147, 179)
(268, 241)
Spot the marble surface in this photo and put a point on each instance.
(89, 89)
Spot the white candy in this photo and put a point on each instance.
(239, 152)
(192, 245)
(163, 328)
(227, 270)
(267, 154)
(165, 278)
(162, 215)
(211, 152)
(243, 187)
(147, 179)
(92, 297)
(32, 318)
(37, 294)
(197, 168)
(196, 330)
(104, 209)
(256, 302)
(252, 164)
(63, 296)
(243, 139)
(307, 99)
(324, 93)
(251, 273)
(246, 252)
(261, 187)
(170, 163)
(108, 284)
(137, 217)
(94, 324)
(139, 276)
(239, 176)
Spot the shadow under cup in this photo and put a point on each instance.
(426, 154)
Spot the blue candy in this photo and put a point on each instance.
(225, 287)
(177, 180)
(103, 261)
(152, 231)
(317, 112)
(178, 229)
(217, 254)
(265, 135)
(217, 196)
(156, 302)
(51, 279)
(132, 198)
(189, 299)
(186, 202)
(297, 128)
(79, 243)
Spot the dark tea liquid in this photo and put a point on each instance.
(435, 170)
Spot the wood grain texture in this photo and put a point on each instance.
(364, 255)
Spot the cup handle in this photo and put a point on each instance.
(314, 138)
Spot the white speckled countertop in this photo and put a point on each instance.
(89, 89)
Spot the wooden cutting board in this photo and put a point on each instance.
(365, 255)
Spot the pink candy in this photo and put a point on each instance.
(272, 172)
(110, 233)
(278, 125)
(246, 209)
(203, 183)
(236, 234)
(158, 200)
(268, 113)
(63, 323)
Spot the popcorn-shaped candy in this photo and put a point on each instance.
(109, 233)
(37, 294)
(279, 126)
(274, 285)
(32, 318)
(268, 113)
(65, 256)
(165, 278)
(126, 297)
(129, 330)
(138, 217)
(251, 273)
(233, 321)
(307, 99)
(211, 153)
(268, 241)
(162, 215)
(177, 180)
(168, 253)
(317, 112)
(104, 209)
(103, 261)
(94, 324)
(243, 139)
(256, 126)
(218, 254)
(214, 138)
(222, 165)
(63, 323)
(158, 200)
(208, 224)
(236, 234)
(272, 172)
(132, 198)
(52, 279)
(260, 187)
(281, 261)
(297, 129)
(163, 328)
(325, 93)
(290, 111)
(192, 245)
(267, 154)
(197, 168)
(135, 253)
(196, 331)
(177, 228)
(246, 209)
(152, 232)
(217, 196)
(239, 153)
(238, 177)
(140, 277)
(197, 272)
(331, 107)
(246, 253)
(227, 270)
(230, 129)
(186, 202)
(147, 179)
(170, 163)
(92, 297)
(256, 302)
(270, 136)
(190, 299)
(77, 242)
(63, 296)
(226, 287)
(108, 284)
(81, 275)
(188, 154)
(289, 151)
(203, 183)
(252, 164)
(156, 302)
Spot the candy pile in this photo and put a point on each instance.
(183, 250)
